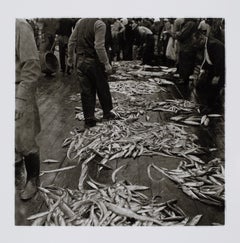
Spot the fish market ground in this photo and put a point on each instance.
(57, 99)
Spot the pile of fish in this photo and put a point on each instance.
(120, 112)
(161, 81)
(134, 107)
(175, 106)
(122, 68)
(133, 87)
(125, 70)
(123, 139)
(194, 119)
(121, 204)
(142, 73)
(124, 108)
(201, 182)
(146, 71)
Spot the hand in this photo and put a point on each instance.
(201, 73)
(215, 80)
(108, 68)
(19, 110)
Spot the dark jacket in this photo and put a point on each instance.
(185, 36)
(216, 52)
(65, 27)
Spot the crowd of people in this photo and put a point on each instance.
(174, 42)
(194, 46)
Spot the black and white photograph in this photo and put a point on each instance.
(121, 121)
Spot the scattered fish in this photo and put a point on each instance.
(209, 188)
(50, 161)
(100, 207)
(122, 139)
(57, 170)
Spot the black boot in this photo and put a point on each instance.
(32, 164)
(90, 123)
(109, 116)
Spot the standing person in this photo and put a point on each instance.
(122, 38)
(27, 122)
(177, 26)
(128, 41)
(108, 39)
(92, 67)
(64, 31)
(116, 29)
(165, 35)
(156, 29)
(187, 52)
(49, 28)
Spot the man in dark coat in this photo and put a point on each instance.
(212, 75)
(187, 52)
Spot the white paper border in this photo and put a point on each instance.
(122, 8)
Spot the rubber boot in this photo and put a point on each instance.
(109, 116)
(32, 164)
(89, 123)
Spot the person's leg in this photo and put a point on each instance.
(32, 165)
(26, 149)
(19, 170)
(62, 53)
(103, 91)
(186, 65)
(148, 50)
(88, 93)
(129, 49)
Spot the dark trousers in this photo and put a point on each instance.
(186, 64)
(209, 94)
(116, 51)
(148, 50)
(93, 80)
(127, 53)
(62, 55)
